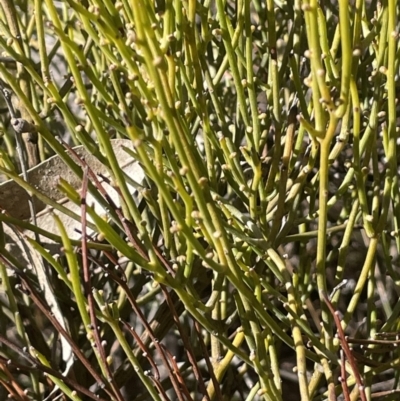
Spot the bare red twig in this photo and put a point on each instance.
(11, 385)
(89, 293)
(144, 349)
(132, 238)
(186, 342)
(30, 290)
(129, 229)
(177, 373)
(156, 376)
(146, 324)
(346, 348)
(343, 377)
(37, 365)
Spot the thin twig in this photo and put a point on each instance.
(346, 348)
(37, 300)
(89, 293)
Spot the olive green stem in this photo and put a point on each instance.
(322, 226)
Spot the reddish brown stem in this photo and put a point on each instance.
(346, 348)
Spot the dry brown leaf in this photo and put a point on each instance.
(45, 177)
